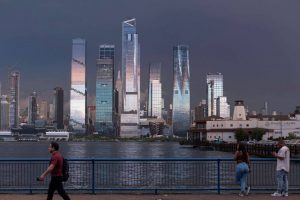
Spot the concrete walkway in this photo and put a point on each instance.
(147, 197)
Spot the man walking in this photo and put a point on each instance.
(282, 169)
(55, 168)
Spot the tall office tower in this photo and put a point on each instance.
(181, 90)
(201, 110)
(51, 112)
(119, 89)
(265, 109)
(92, 114)
(78, 93)
(14, 107)
(105, 85)
(154, 91)
(58, 103)
(4, 110)
(223, 108)
(44, 110)
(32, 108)
(131, 80)
(214, 90)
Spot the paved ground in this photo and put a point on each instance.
(148, 197)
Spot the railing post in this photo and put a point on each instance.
(93, 176)
(219, 177)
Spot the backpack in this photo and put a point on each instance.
(65, 170)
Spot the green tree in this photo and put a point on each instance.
(291, 136)
(240, 135)
(257, 134)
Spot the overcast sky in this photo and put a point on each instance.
(255, 44)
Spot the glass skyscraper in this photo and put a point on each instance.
(131, 80)
(32, 108)
(214, 90)
(78, 97)
(105, 105)
(154, 91)
(58, 103)
(14, 99)
(181, 90)
(4, 110)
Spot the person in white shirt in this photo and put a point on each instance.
(282, 169)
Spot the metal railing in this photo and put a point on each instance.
(154, 175)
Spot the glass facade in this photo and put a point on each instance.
(154, 90)
(105, 112)
(14, 107)
(130, 79)
(32, 108)
(214, 90)
(181, 90)
(44, 110)
(4, 110)
(58, 103)
(78, 103)
(156, 100)
(119, 88)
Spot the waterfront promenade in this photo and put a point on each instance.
(264, 196)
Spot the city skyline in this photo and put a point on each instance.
(254, 47)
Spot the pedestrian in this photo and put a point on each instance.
(55, 168)
(282, 169)
(242, 168)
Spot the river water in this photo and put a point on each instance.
(131, 174)
(107, 150)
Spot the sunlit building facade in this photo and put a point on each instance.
(223, 108)
(181, 90)
(78, 93)
(4, 110)
(154, 91)
(214, 90)
(105, 105)
(14, 99)
(44, 110)
(131, 80)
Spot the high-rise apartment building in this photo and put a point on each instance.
(119, 90)
(214, 90)
(130, 117)
(105, 98)
(181, 90)
(154, 107)
(44, 110)
(4, 110)
(32, 108)
(201, 111)
(14, 99)
(78, 93)
(58, 103)
(223, 108)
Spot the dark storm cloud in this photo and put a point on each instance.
(255, 44)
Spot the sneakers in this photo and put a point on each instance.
(285, 194)
(241, 194)
(276, 194)
(247, 190)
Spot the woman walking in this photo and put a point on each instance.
(242, 168)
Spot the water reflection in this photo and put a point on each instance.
(106, 150)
